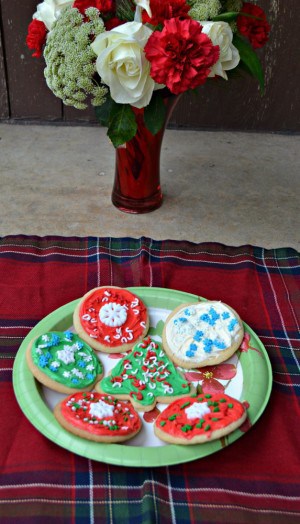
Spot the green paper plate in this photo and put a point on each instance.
(254, 387)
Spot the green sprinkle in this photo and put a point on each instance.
(207, 428)
(185, 405)
(222, 400)
(230, 405)
(186, 428)
(200, 423)
(215, 419)
(216, 409)
(173, 417)
(163, 423)
(207, 396)
(114, 428)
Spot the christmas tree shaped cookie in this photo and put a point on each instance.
(145, 376)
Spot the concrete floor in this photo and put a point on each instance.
(233, 188)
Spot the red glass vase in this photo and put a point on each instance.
(136, 186)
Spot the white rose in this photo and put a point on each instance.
(49, 11)
(220, 34)
(122, 65)
(144, 4)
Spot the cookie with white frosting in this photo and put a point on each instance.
(111, 319)
(202, 334)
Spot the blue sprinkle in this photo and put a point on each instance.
(48, 355)
(187, 312)
(182, 319)
(198, 335)
(89, 376)
(205, 318)
(81, 364)
(214, 316)
(69, 335)
(190, 353)
(75, 380)
(193, 347)
(219, 344)
(232, 324)
(225, 315)
(208, 343)
(43, 361)
(55, 340)
(80, 345)
(53, 368)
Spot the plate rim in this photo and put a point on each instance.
(42, 418)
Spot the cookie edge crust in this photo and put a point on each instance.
(210, 361)
(43, 379)
(97, 346)
(85, 434)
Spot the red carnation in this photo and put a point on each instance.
(255, 29)
(112, 23)
(36, 36)
(181, 56)
(162, 11)
(104, 6)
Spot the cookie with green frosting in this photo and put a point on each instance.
(63, 362)
(145, 376)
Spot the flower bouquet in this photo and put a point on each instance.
(132, 58)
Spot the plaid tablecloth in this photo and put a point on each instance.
(256, 479)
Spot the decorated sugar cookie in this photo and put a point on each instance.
(63, 362)
(111, 319)
(98, 417)
(199, 418)
(202, 334)
(145, 376)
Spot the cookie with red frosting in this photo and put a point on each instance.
(98, 417)
(199, 418)
(111, 319)
(146, 376)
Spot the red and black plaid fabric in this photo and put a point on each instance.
(257, 479)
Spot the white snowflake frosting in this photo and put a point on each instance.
(113, 315)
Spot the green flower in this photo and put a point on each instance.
(204, 9)
(70, 61)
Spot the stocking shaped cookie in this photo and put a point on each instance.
(145, 376)
(199, 418)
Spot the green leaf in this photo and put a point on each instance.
(226, 17)
(250, 59)
(105, 112)
(154, 114)
(123, 126)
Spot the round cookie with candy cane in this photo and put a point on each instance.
(202, 334)
(145, 376)
(111, 319)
